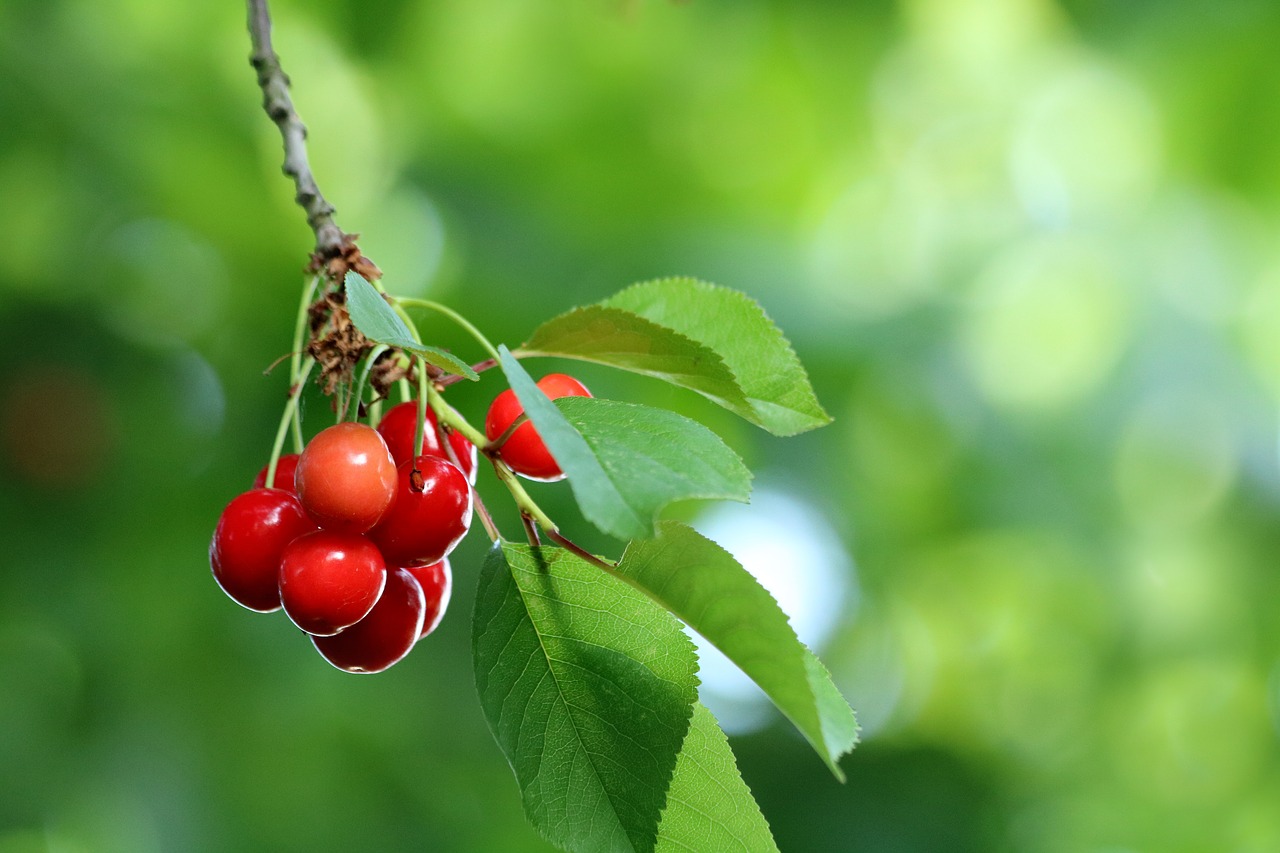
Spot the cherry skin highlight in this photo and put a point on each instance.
(383, 637)
(397, 428)
(346, 478)
(429, 516)
(285, 467)
(524, 451)
(248, 542)
(330, 581)
(436, 581)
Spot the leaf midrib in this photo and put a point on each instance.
(565, 702)
(661, 598)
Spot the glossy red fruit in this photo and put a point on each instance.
(330, 581)
(436, 581)
(345, 478)
(383, 637)
(524, 451)
(285, 467)
(429, 516)
(397, 427)
(250, 538)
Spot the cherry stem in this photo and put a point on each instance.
(442, 434)
(450, 417)
(530, 530)
(374, 355)
(497, 443)
(485, 518)
(526, 504)
(455, 317)
(424, 390)
(343, 394)
(290, 409)
(295, 358)
(478, 367)
(298, 442)
(408, 321)
(569, 545)
(531, 512)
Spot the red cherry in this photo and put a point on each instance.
(524, 451)
(284, 473)
(345, 478)
(397, 427)
(436, 581)
(247, 544)
(383, 637)
(429, 516)
(330, 581)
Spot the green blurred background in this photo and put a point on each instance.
(1028, 250)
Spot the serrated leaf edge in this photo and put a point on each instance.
(546, 654)
(708, 495)
(753, 406)
(729, 403)
(787, 346)
(824, 750)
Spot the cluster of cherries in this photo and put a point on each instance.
(352, 536)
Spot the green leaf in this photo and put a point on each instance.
(688, 322)
(653, 457)
(625, 462)
(709, 807)
(590, 484)
(621, 339)
(713, 594)
(735, 326)
(379, 322)
(588, 688)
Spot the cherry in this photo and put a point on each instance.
(429, 516)
(330, 581)
(524, 451)
(386, 635)
(397, 427)
(284, 474)
(345, 478)
(247, 544)
(436, 581)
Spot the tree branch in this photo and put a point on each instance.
(331, 242)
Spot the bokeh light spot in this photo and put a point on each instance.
(1259, 320)
(407, 240)
(873, 250)
(1192, 731)
(1086, 147)
(1183, 593)
(1001, 626)
(347, 145)
(31, 219)
(1176, 459)
(58, 430)
(797, 556)
(1047, 322)
(170, 285)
